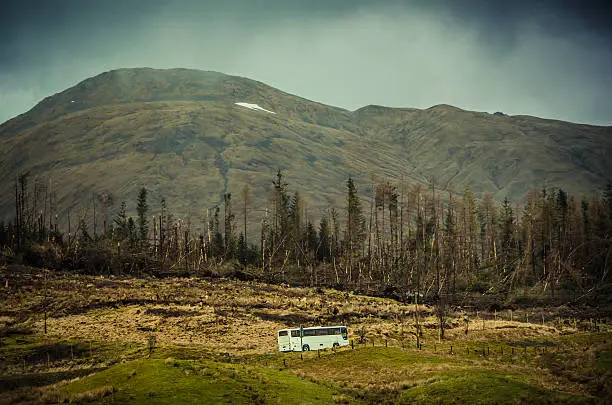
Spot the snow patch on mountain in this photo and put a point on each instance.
(254, 107)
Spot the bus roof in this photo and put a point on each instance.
(316, 327)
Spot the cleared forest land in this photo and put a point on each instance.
(191, 340)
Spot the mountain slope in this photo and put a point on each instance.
(495, 152)
(181, 134)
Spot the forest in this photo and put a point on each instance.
(403, 241)
(447, 298)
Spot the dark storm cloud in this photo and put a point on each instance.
(546, 58)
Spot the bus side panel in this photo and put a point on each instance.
(295, 344)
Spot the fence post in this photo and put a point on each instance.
(318, 353)
(352, 344)
(386, 343)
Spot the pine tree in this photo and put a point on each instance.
(217, 242)
(280, 219)
(324, 252)
(84, 237)
(121, 222)
(470, 231)
(295, 226)
(507, 233)
(312, 240)
(164, 227)
(245, 196)
(142, 209)
(229, 239)
(131, 232)
(242, 249)
(355, 223)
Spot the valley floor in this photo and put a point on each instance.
(135, 340)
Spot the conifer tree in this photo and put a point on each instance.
(121, 222)
(142, 209)
(507, 233)
(245, 197)
(280, 220)
(229, 239)
(324, 252)
(84, 237)
(355, 223)
(217, 242)
(242, 249)
(132, 232)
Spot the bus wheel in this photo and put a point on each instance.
(305, 348)
(336, 345)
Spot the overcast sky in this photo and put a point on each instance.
(545, 58)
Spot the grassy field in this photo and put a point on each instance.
(126, 340)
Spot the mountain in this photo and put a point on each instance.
(181, 134)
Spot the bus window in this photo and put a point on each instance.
(295, 333)
(282, 333)
(334, 331)
(310, 332)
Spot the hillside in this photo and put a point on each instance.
(181, 134)
(194, 340)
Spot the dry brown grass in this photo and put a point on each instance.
(215, 313)
(52, 395)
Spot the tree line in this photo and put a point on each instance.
(406, 240)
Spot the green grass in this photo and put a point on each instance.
(190, 381)
(486, 387)
(371, 375)
(392, 375)
(186, 374)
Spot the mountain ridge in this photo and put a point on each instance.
(180, 132)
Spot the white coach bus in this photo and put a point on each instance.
(305, 339)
